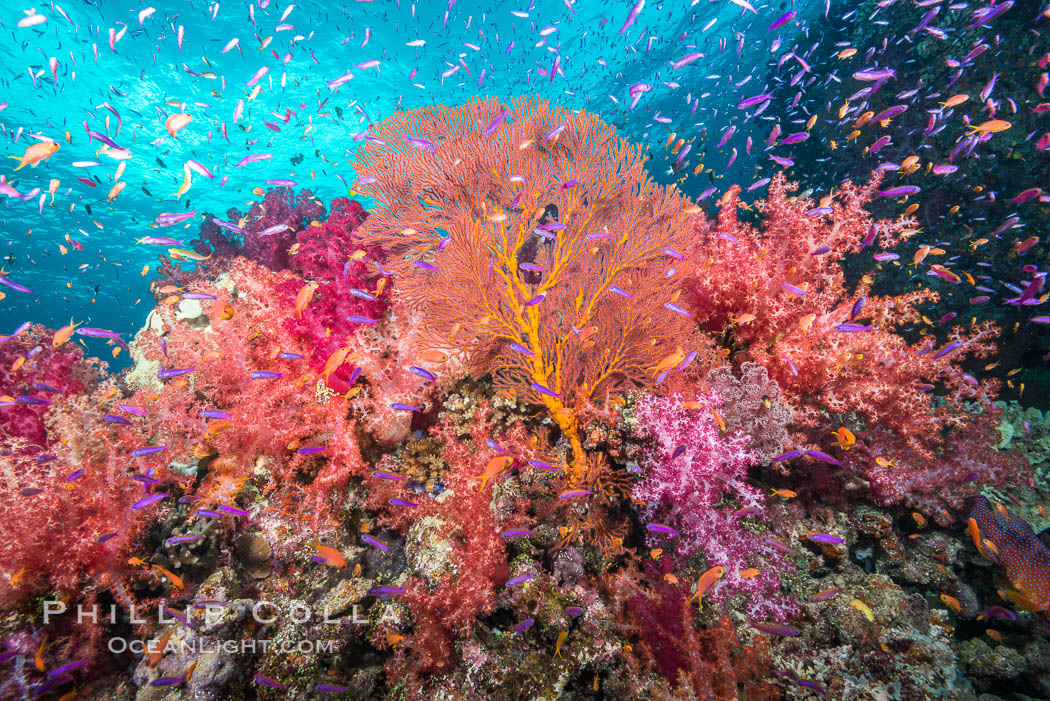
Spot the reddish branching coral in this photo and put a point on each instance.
(778, 294)
(753, 405)
(224, 342)
(709, 663)
(32, 373)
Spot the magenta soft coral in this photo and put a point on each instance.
(690, 467)
(271, 226)
(45, 373)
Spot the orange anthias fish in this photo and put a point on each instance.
(495, 466)
(36, 153)
(992, 126)
(156, 650)
(176, 122)
(64, 334)
(844, 438)
(303, 298)
(175, 580)
(433, 356)
(330, 555)
(335, 360)
(669, 362)
(706, 581)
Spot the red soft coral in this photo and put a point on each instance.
(778, 293)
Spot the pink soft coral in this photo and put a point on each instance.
(690, 469)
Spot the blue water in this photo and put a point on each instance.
(146, 75)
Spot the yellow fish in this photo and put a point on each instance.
(561, 639)
(495, 466)
(36, 153)
(863, 608)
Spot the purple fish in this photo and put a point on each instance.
(524, 625)
(168, 374)
(513, 581)
(233, 510)
(874, 74)
(857, 307)
(900, 191)
(795, 138)
(215, 414)
(852, 328)
(947, 349)
(825, 595)
(516, 533)
(268, 682)
(782, 20)
(817, 455)
(386, 476)
(774, 628)
(753, 101)
(264, 375)
(495, 123)
(149, 501)
(825, 538)
(373, 542)
(331, 688)
(138, 453)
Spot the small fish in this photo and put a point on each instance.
(375, 543)
(706, 581)
(329, 555)
(564, 634)
(844, 438)
(824, 595)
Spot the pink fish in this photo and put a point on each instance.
(632, 15)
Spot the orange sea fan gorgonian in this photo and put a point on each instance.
(531, 240)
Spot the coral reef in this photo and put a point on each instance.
(534, 427)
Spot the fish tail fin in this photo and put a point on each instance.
(21, 162)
